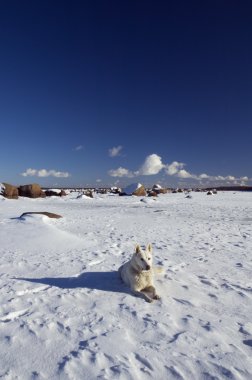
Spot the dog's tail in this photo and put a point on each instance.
(158, 270)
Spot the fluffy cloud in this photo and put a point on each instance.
(203, 176)
(121, 172)
(44, 173)
(29, 172)
(184, 174)
(174, 167)
(152, 165)
(115, 151)
(230, 178)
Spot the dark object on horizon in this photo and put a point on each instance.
(50, 193)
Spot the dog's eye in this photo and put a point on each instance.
(142, 259)
(148, 258)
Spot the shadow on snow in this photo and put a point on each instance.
(106, 281)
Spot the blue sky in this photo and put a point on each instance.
(109, 92)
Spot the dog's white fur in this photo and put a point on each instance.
(138, 272)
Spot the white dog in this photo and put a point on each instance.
(138, 272)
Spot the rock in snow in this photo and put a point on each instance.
(9, 191)
(135, 189)
(31, 191)
(49, 214)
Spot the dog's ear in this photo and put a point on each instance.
(149, 248)
(138, 248)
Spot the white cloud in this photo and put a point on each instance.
(230, 178)
(203, 176)
(29, 172)
(121, 172)
(79, 147)
(98, 180)
(44, 173)
(184, 174)
(174, 167)
(115, 151)
(152, 165)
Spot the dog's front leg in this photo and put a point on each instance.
(138, 293)
(152, 291)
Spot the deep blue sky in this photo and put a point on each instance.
(169, 78)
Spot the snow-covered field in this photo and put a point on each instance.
(64, 313)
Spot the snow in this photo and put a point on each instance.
(2, 187)
(65, 314)
(83, 196)
(58, 191)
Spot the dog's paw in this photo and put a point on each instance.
(156, 297)
(148, 299)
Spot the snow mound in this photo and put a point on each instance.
(83, 196)
(148, 200)
(33, 218)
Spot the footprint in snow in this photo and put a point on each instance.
(239, 265)
(173, 372)
(14, 315)
(183, 302)
(212, 295)
(143, 361)
(247, 342)
(176, 336)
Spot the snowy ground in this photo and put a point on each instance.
(64, 313)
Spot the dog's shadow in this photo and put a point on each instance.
(105, 281)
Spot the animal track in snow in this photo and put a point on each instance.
(13, 315)
(175, 336)
(144, 361)
(204, 280)
(183, 302)
(32, 291)
(239, 289)
(174, 373)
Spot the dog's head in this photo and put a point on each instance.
(143, 257)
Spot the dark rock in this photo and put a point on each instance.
(10, 191)
(152, 193)
(135, 189)
(31, 191)
(49, 214)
